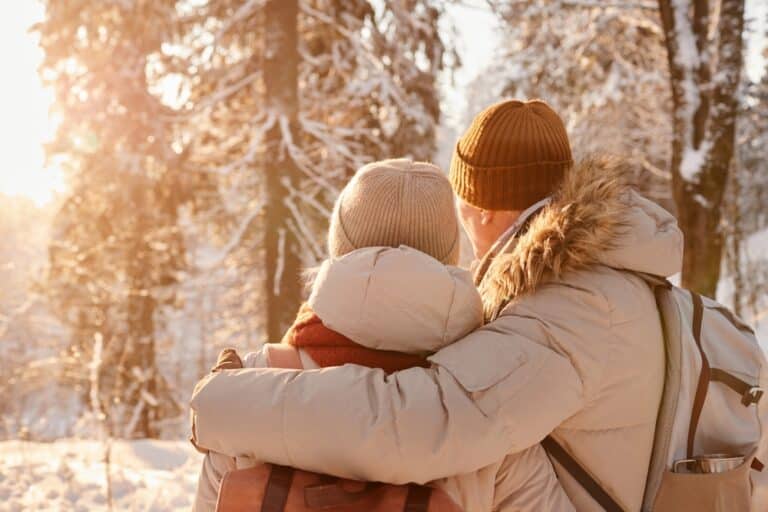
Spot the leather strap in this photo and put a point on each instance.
(586, 480)
(704, 376)
(418, 498)
(332, 494)
(278, 486)
(749, 394)
(282, 355)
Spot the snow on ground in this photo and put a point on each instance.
(68, 475)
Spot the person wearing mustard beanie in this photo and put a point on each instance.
(513, 155)
(396, 202)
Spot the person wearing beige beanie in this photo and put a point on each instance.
(570, 359)
(396, 202)
(387, 297)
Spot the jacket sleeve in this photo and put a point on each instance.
(256, 359)
(494, 392)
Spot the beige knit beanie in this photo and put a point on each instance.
(396, 202)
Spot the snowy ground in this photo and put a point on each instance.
(69, 475)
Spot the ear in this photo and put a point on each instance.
(486, 217)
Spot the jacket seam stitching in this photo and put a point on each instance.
(542, 362)
(368, 281)
(547, 331)
(450, 311)
(608, 429)
(284, 421)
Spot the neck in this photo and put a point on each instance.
(490, 250)
(496, 233)
(481, 248)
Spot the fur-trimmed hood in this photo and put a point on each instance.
(595, 218)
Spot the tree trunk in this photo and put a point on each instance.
(703, 246)
(139, 352)
(283, 259)
(704, 116)
(735, 237)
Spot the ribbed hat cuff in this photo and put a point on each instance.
(452, 256)
(338, 239)
(508, 187)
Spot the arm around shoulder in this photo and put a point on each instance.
(492, 393)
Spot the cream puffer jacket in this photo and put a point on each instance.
(403, 300)
(577, 352)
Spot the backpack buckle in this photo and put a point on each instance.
(752, 395)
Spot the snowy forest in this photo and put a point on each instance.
(204, 142)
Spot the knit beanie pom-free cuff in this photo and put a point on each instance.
(514, 154)
(513, 187)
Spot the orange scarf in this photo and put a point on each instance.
(329, 348)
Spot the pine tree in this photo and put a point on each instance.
(193, 177)
(367, 89)
(34, 391)
(116, 251)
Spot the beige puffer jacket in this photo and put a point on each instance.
(406, 301)
(577, 353)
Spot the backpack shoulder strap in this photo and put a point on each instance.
(581, 475)
(672, 326)
(704, 376)
(277, 490)
(282, 355)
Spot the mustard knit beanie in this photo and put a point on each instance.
(396, 202)
(514, 154)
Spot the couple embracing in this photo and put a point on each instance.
(462, 380)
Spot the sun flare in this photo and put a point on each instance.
(25, 122)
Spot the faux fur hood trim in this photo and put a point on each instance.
(587, 218)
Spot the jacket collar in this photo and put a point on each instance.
(594, 218)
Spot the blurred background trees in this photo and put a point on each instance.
(744, 221)
(115, 252)
(617, 71)
(602, 65)
(280, 123)
(205, 141)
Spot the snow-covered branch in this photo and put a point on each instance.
(211, 261)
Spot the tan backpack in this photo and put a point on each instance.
(272, 488)
(712, 405)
